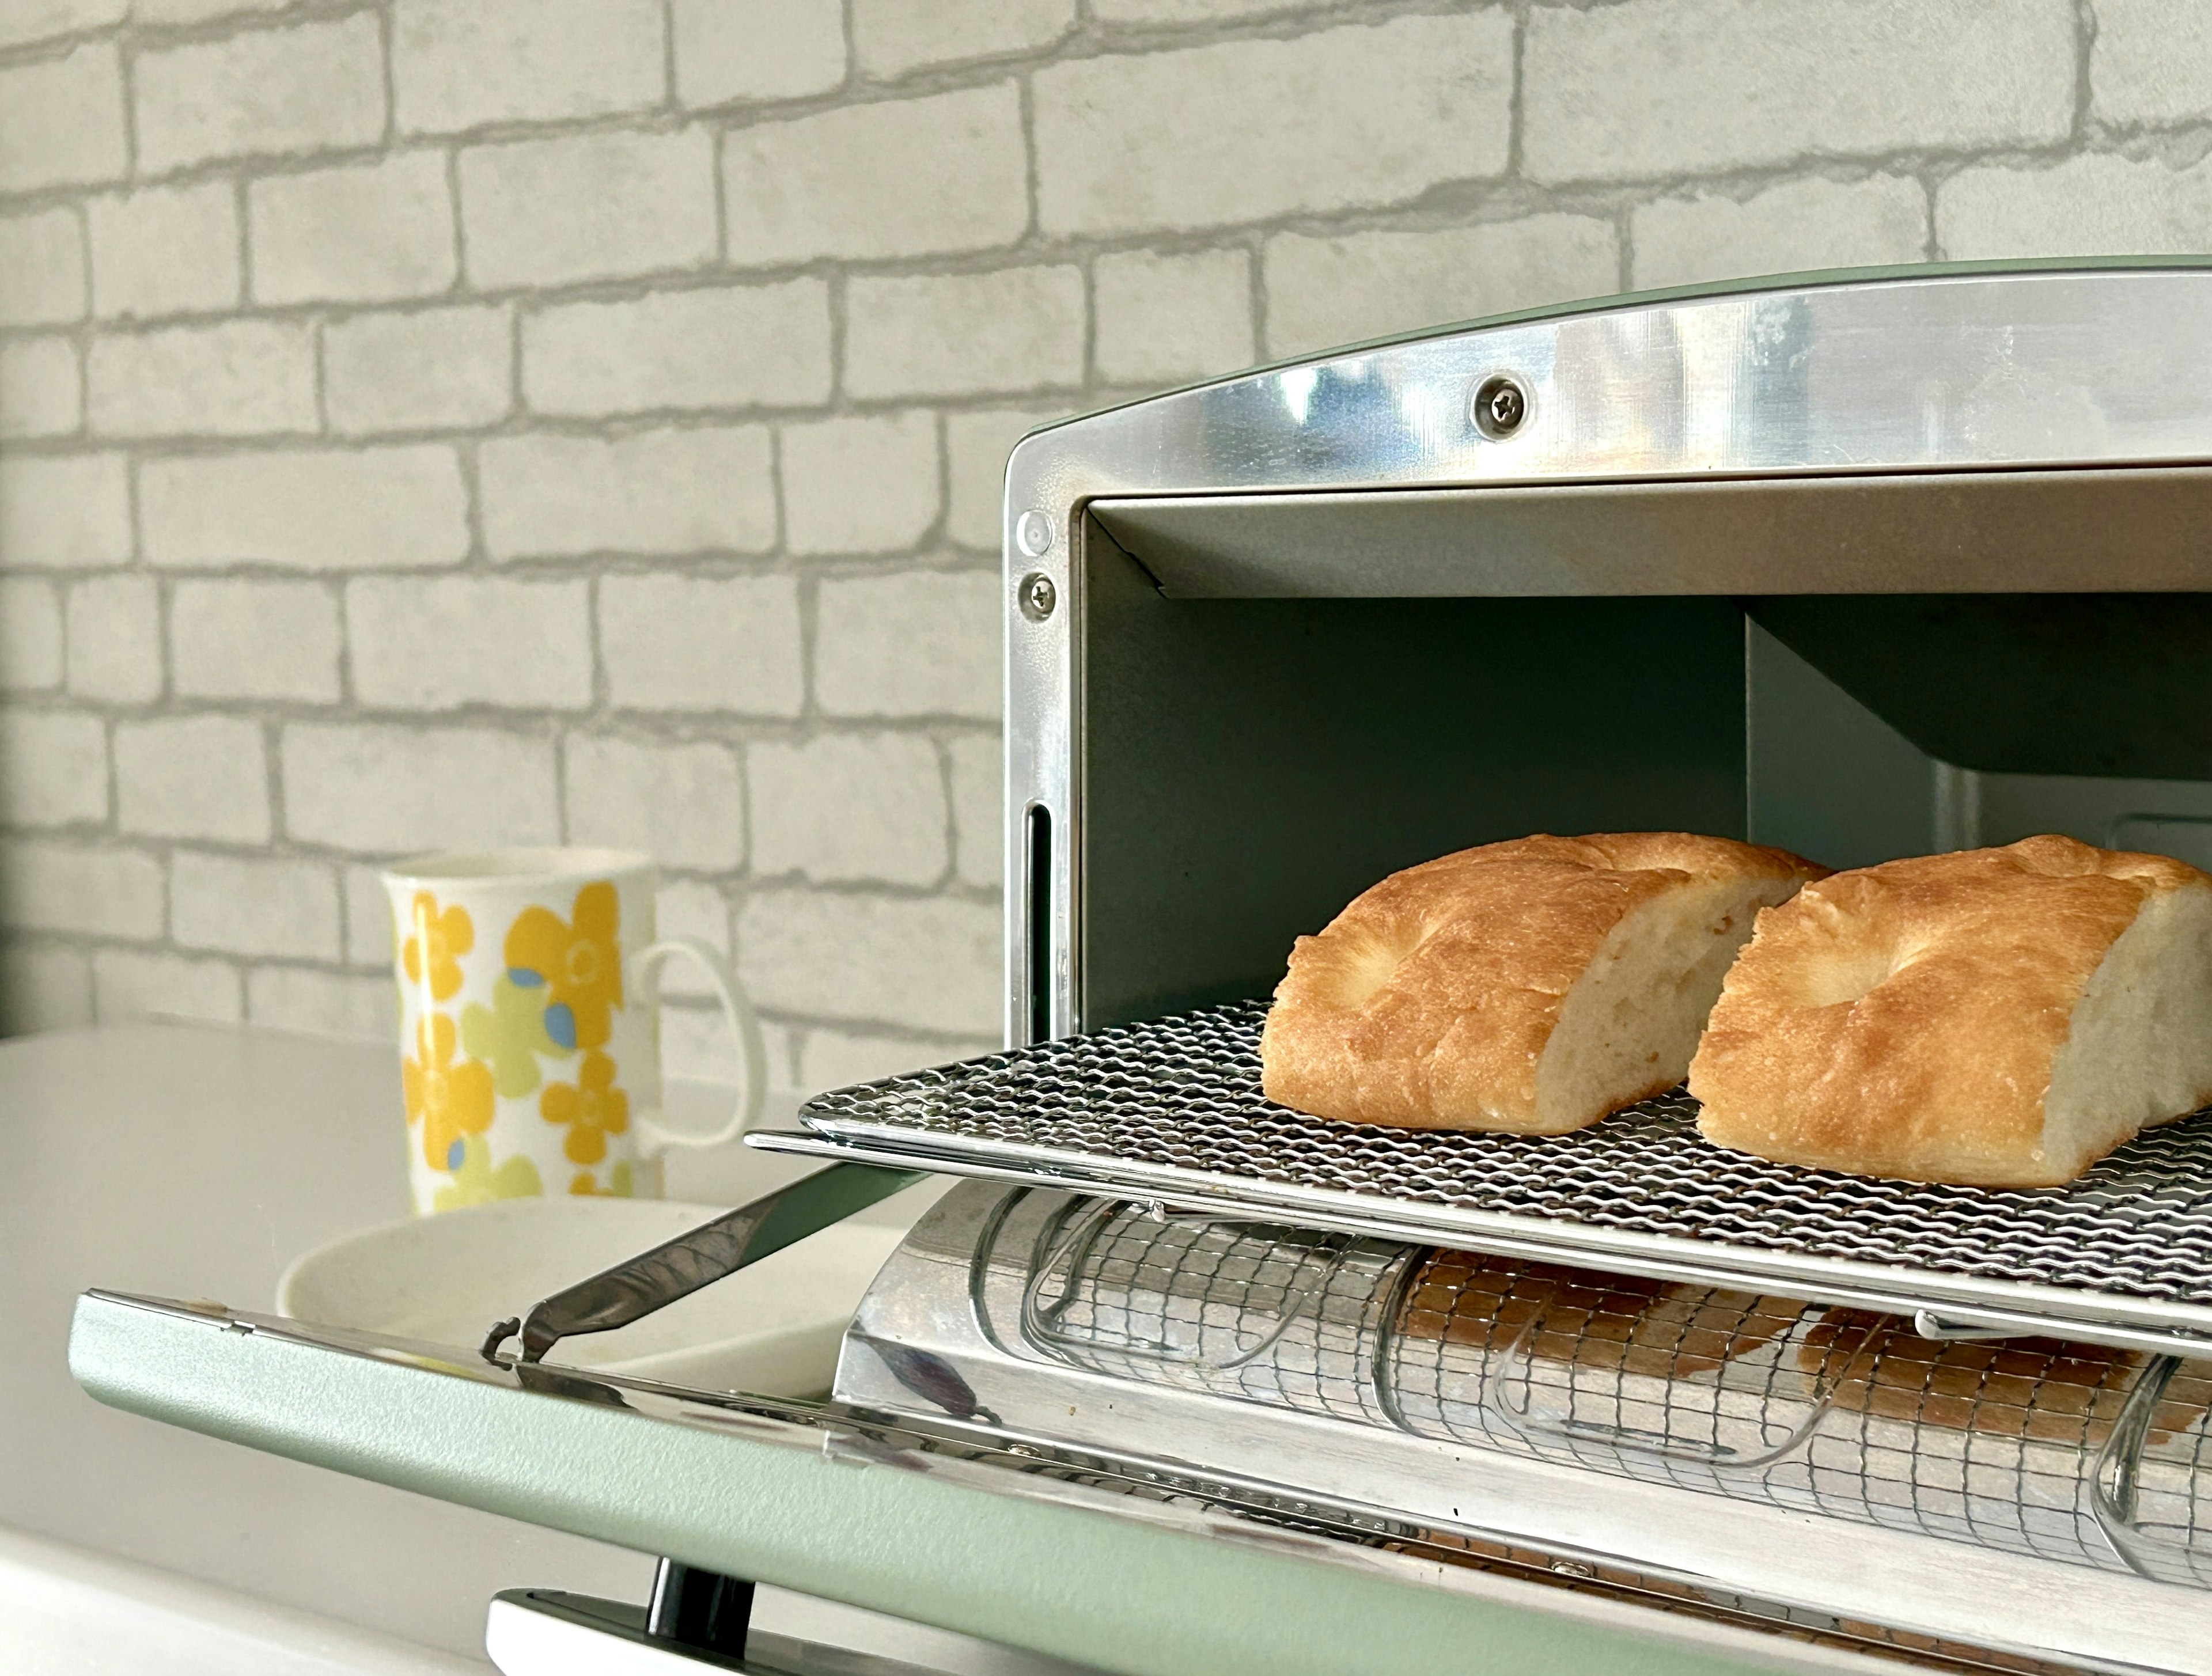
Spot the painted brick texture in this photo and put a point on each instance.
(461, 422)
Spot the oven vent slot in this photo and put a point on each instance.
(1036, 939)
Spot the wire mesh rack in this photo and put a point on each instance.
(2015, 1445)
(2065, 1451)
(1173, 1107)
(1271, 1314)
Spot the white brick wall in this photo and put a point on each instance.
(902, 177)
(849, 808)
(192, 777)
(978, 787)
(61, 120)
(977, 443)
(253, 905)
(41, 387)
(1164, 320)
(427, 369)
(315, 509)
(242, 378)
(114, 633)
(2081, 207)
(41, 268)
(93, 889)
(729, 347)
(682, 802)
(436, 424)
(306, 87)
(245, 638)
(27, 20)
(64, 509)
(363, 233)
(165, 250)
(929, 962)
(458, 64)
(707, 489)
(389, 790)
(865, 623)
(891, 37)
(598, 206)
(702, 644)
(459, 641)
(961, 334)
(729, 50)
(1655, 88)
(1219, 135)
(54, 767)
(1797, 226)
(1341, 290)
(30, 636)
(860, 485)
(2152, 63)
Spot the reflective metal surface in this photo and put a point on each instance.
(1367, 1377)
(1011, 1525)
(631, 1291)
(2007, 371)
(1173, 1107)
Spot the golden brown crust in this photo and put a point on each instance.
(1428, 1001)
(1902, 1020)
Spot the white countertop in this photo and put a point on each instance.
(193, 1161)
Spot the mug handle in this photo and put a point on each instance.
(645, 968)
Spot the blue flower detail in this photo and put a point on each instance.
(453, 1155)
(561, 1024)
(523, 978)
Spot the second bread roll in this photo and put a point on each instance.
(1998, 1017)
(1531, 987)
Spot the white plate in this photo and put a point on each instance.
(772, 1328)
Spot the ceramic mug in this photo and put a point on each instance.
(529, 1025)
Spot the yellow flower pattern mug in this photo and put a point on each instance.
(529, 1025)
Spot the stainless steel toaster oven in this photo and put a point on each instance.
(1176, 1380)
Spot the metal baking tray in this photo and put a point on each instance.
(1171, 1110)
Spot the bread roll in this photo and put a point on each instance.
(1998, 1017)
(1531, 987)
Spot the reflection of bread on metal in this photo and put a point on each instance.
(2041, 1390)
(1651, 1327)
(1999, 1017)
(1529, 987)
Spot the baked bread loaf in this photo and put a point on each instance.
(1999, 1018)
(1530, 987)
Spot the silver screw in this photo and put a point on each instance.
(1500, 405)
(1037, 596)
(1033, 534)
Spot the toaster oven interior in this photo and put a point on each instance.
(1254, 752)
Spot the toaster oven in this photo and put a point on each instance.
(1861, 566)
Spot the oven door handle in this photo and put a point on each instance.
(636, 1287)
